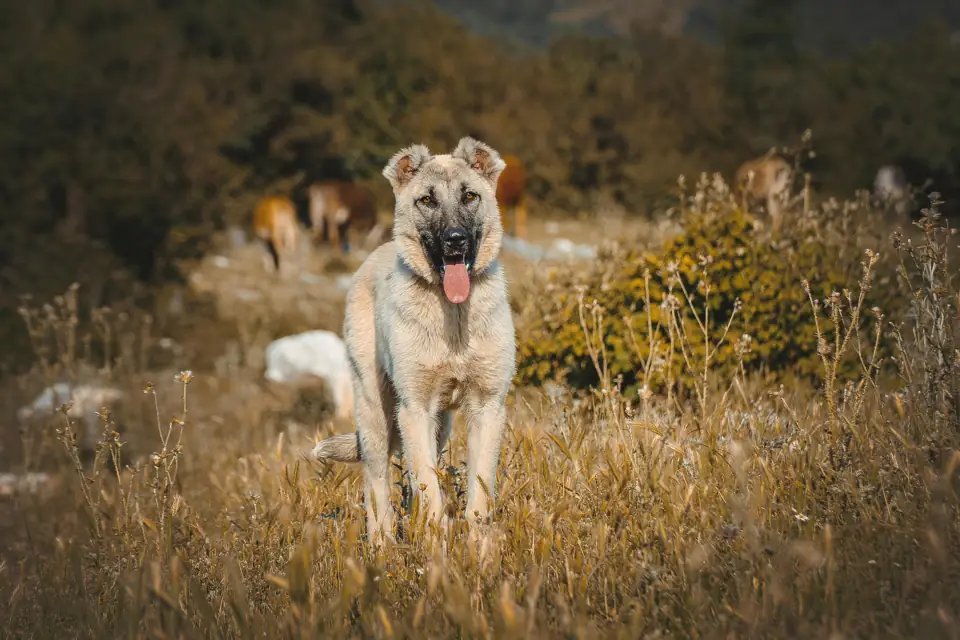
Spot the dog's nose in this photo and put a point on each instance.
(455, 240)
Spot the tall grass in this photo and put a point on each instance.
(738, 511)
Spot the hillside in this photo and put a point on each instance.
(830, 27)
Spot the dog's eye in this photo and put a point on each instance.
(470, 196)
(426, 200)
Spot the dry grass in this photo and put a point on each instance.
(743, 512)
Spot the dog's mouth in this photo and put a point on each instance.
(455, 274)
(453, 254)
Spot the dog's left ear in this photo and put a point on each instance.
(480, 157)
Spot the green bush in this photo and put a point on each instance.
(722, 269)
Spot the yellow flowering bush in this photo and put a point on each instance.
(720, 297)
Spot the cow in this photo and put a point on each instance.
(766, 179)
(511, 195)
(339, 207)
(275, 222)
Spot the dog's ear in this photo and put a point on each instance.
(480, 157)
(405, 164)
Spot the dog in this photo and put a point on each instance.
(338, 207)
(428, 330)
(767, 179)
(511, 195)
(275, 222)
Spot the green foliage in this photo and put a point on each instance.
(719, 282)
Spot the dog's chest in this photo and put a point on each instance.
(449, 376)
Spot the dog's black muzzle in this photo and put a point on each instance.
(452, 246)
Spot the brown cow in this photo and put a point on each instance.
(766, 179)
(275, 222)
(511, 194)
(337, 207)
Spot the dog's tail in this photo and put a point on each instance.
(342, 448)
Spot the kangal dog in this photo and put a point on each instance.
(428, 329)
(766, 179)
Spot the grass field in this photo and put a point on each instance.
(741, 506)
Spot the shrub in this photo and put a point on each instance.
(723, 281)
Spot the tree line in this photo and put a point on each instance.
(146, 124)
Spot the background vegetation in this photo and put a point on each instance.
(145, 125)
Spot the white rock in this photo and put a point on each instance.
(247, 295)
(560, 249)
(562, 245)
(12, 483)
(890, 185)
(86, 401)
(525, 249)
(323, 354)
(221, 261)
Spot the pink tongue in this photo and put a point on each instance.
(456, 282)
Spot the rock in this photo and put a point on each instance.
(560, 249)
(891, 187)
(526, 250)
(221, 261)
(247, 295)
(85, 401)
(294, 359)
(11, 483)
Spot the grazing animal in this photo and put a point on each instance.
(891, 187)
(428, 330)
(766, 179)
(336, 208)
(511, 196)
(275, 222)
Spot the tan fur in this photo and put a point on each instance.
(766, 179)
(415, 356)
(341, 207)
(275, 222)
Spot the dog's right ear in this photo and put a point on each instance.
(404, 165)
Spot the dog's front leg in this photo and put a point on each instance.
(418, 428)
(486, 420)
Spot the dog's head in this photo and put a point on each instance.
(446, 224)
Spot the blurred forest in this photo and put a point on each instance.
(130, 129)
